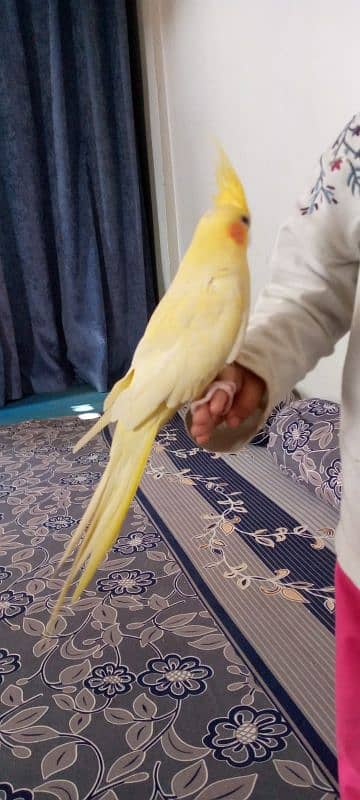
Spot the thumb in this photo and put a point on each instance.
(232, 374)
(247, 399)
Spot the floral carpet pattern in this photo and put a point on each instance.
(304, 443)
(145, 689)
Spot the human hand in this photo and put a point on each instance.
(249, 391)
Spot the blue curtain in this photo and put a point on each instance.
(76, 274)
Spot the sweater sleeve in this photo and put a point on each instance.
(308, 304)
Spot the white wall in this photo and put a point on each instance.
(274, 80)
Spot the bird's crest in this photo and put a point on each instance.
(230, 188)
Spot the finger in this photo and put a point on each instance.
(202, 438)
(202, 415)
(200, 429)
(247, 400)
(202, 433)
(218, 403)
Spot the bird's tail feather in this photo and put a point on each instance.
(101, 523)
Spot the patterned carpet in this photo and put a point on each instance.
(199, 663)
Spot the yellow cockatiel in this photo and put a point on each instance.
(195, 330)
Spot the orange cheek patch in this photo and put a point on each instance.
(237, 231)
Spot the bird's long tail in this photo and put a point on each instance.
(101, 523)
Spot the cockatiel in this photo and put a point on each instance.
(195, 330)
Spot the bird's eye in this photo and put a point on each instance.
(245, 220)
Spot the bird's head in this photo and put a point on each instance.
(221, 236)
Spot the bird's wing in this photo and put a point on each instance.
(186, 343)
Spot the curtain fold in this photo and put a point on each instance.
(76, 275)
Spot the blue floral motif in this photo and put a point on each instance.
(247, 736)
(9, 662)
(6, 489)
(87, 458)
(4, 573)
(334, 480)
(126, 582)
(59, 521)
(323, 407)
(82, 479)
(136, 542)
(64, 449)
(13, 603)
(261, 439)
(109, 680)
(297, 435)
(316, 423)
(7, 792)
(43, 450)
(175, 676)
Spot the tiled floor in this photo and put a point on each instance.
(77, 401)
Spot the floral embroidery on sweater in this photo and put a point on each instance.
(344, 154)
